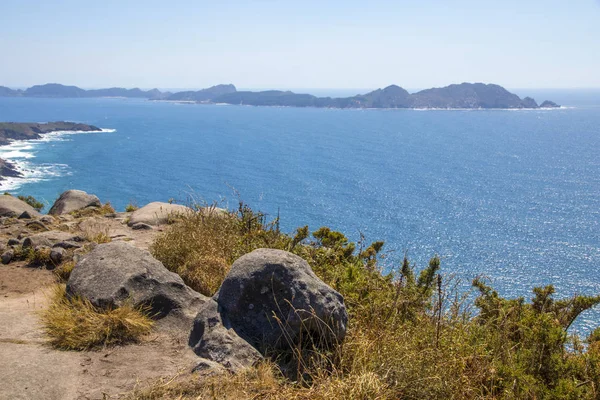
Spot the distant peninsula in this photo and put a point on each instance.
(464, 95)
(11, 131)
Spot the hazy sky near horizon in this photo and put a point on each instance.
(300, 44)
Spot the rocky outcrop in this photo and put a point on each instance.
(549, 104)
(213, 339)
(271, 297)
(48, 239)
(73, 200)
(13, 207)
(157, 213)
(8, 169)
(529, 102)
(116, 272)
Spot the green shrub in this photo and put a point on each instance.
(131, 207)
(37, 205)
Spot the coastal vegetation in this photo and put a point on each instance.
(412, 334)
(32, 201)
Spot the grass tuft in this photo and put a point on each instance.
(105, 209)
(63, 272)
(131, 207)
(38, 256)
(75, 324)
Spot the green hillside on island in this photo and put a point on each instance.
(464, 95)
(209, 303)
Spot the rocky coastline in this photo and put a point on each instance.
(16, 131)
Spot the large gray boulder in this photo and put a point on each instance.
(268, 283)
(157, 213)
(213, 339)
(73, 200)
(117, 272)
(13, 207)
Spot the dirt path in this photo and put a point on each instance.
(30, 369)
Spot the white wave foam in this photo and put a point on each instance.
(9, 155)
(18, 152)
(31, 173)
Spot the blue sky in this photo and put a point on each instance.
(300, 44)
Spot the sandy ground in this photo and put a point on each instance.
(31, 369)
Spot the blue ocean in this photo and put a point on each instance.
(510, 195)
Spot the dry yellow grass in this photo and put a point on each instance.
(97, 232)
(63, 271)
(91, 211)
(203, 267)
(75, 324)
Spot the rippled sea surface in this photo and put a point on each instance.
(513, 195)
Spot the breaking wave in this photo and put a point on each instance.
(21, 153)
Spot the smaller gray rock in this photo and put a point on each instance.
(68, 244)
(46, 239)
(73, 200)
(214, 340)
(25, 215)
(47, 219)
(57, 255)
(208, 368)
(7, 256)
(141, 226)
(14, 242)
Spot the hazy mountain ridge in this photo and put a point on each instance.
(202, 95)
(464, 95)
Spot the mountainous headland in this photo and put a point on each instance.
(11, 131)
(464, 95)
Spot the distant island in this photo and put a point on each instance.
(11, 131)
(464, 95)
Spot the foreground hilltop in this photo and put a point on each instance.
(464, 95)
(169, 301)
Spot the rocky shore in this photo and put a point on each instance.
(15, 131)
